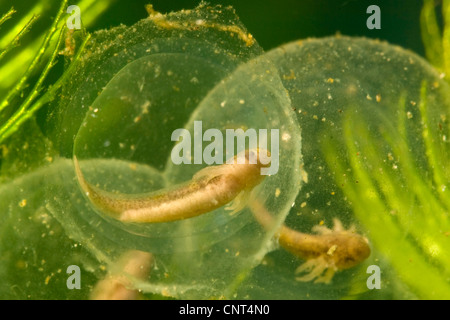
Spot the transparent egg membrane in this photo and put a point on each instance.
(237, 240)
(372, 151)
(375, 126)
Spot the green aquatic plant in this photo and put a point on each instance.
(363, 128)
(46, 48)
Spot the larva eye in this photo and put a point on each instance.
(251, 156)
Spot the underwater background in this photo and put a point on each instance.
(364, 127)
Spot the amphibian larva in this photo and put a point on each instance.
(326, 252)
(118, 284)
(211, 188)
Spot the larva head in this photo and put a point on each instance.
(348, 249)
(247, 165)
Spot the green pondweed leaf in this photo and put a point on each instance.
(21, 93)
(25, 30)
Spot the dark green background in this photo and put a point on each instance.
(274, 22)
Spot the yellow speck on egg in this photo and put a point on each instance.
(277, 192)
